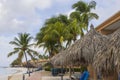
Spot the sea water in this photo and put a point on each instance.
(6, 71)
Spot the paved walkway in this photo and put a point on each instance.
(38, 75)
(54, 78)
(44, 75)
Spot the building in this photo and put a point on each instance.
(110, 25)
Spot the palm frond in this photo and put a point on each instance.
(92, 5)
(30, 45)
(35, 53)
(32, 57)
(12, 53)
(14, 43)
(93, 16)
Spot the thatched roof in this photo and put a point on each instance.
(57, 59)
(108, 58)
(83, 50)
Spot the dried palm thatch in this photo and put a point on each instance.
(108, 58)
(84, 49)
(57, 60)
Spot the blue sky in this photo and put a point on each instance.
(29, 15)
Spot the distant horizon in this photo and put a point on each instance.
(29, 16)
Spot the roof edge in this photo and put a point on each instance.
(109, 21)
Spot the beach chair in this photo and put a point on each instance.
(54, 71)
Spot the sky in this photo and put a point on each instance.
(18, 16)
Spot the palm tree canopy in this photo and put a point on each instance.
(83, 13)
(61, 18)
(55, 32)
(82, 6)
(22, 45)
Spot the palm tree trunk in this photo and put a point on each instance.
(27, 64)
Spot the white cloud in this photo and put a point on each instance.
(42, 4)
(20, 15)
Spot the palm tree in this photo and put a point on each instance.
(46, 41)
(53, 33)
(74, 32)
(75, 17)
(23, 48)
(84, 9)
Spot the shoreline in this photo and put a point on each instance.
(18, 71)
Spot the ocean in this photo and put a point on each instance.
(6, 71)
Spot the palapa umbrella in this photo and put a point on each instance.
(107, 59)
(84, 49)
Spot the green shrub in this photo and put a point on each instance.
(82, 69)
(47, 66)
(77, 69)
(47, 69)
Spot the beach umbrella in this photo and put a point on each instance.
(107, 60)
(84, 49)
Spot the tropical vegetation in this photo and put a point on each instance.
(59, 32)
